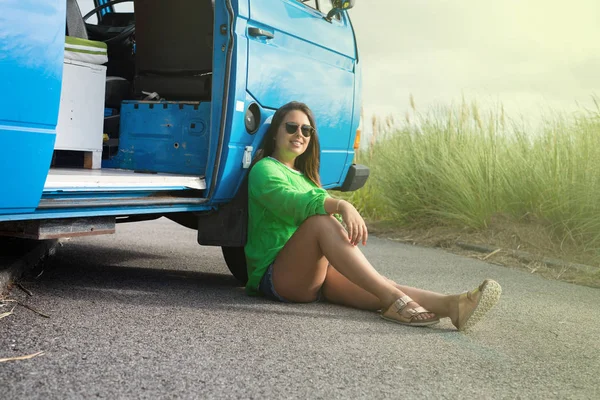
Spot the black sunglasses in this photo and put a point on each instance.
(292, 127)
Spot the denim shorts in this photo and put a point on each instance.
(266, 287)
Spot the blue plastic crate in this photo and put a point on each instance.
(170, 137)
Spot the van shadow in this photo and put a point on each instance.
(86, 269)
(88, 272)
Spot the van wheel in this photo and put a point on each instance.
(236, 262)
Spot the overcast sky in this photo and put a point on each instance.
(531, 55)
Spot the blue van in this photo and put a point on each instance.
(159, 110)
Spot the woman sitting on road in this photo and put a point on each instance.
(298, 252)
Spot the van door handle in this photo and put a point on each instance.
(256, 32)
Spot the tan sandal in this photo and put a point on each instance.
(473, 305)
(394, 313)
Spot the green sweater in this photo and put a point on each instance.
(279, 200)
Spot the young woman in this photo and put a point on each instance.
(297, 251)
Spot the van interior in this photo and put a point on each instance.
(156, 98)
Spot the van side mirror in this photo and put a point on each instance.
(338, 7)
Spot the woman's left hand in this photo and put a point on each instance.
(355, 224)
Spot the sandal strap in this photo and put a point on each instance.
(401, 303)
(416, 311)
(394, 313)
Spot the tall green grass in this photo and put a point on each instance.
(459, 166)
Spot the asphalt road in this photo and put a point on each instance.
(147, 313)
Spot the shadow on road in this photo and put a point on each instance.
(91, 274)
(84, 269)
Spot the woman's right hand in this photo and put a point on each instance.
(355, 224)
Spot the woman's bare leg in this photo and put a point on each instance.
(338, 289)
(300, 268)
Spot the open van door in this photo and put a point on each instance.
(31, 63)
(295, 53)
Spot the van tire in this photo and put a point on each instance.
(235, 258)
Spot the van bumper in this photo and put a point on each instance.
(356, 178)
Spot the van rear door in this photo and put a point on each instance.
(295, 54)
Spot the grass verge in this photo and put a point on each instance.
(469, 174)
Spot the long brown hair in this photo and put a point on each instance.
(308, 162)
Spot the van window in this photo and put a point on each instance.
(85, 6)
(310, 3)
(124, 7)
(322, 5)
(325, 6)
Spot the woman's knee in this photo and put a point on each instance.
(319, 223)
